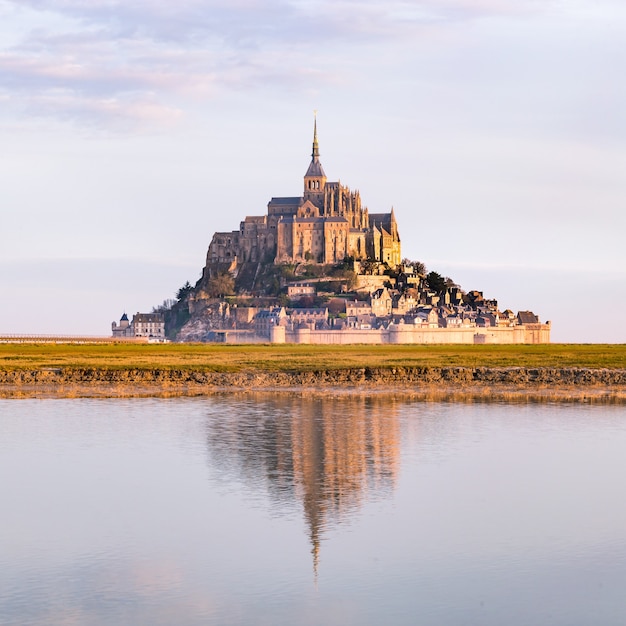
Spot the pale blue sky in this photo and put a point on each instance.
(132, 130)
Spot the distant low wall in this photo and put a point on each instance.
(14, 338)
(236, 336)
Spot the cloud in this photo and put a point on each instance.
(156, 52)
(138, 63)
(290, 18)
(121, 113)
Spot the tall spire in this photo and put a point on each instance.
(315, 178)
(316, 147)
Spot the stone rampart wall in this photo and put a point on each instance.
(406, 334)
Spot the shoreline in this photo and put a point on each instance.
(606, 386)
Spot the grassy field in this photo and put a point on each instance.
(230, 358)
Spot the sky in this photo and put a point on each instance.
(131, 130)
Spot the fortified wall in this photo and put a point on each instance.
(405, 334)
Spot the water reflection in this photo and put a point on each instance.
(502, 514)
(328, 454)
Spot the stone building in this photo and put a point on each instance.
(265, 319)
(324, 225)
(151, 325)
(123, 329)
(298, 291)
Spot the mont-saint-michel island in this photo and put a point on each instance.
(264, 366)
(321, 268)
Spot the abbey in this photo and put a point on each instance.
(325, 225)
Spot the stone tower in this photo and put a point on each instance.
(315, 177)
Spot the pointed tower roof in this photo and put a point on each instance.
(315, 168)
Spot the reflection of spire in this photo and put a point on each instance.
(340, 447)
(315, 551)
(308, 465)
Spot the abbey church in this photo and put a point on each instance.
(325, 225)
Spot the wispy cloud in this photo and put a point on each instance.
(136, 60)
(118, 112)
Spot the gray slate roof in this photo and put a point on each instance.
(315, 169)
(292, 200)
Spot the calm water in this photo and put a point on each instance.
(291, 510)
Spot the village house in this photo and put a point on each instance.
(527, 317)
(451, 321)
(507, 318)
(297, 291)
(266, 318)
(424, 316)
(402, 303)
(362, 321)
(407, 278)
(357, 307)
(381, 302)
(150, 325)
(312, 317)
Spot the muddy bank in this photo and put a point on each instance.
(480, 382)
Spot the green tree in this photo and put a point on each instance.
(369, 266)
(184, 291)
(220, 285)
(419, 268)
(436, 282)
(167, 305)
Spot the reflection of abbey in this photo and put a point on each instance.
(331, 454)
(325, 225)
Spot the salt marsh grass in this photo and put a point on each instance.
(234, 358)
